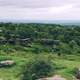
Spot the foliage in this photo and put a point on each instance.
(12, 35)
(38, 69)
(68, 36)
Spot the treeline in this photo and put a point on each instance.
(60, 38)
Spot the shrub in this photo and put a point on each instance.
(36, 50)
(3, 58)
(37, 69)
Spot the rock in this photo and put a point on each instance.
(77, 73)
(56, 77)
(7, 63)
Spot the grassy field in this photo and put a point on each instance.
(65, 63)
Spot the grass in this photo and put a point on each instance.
(64, 64)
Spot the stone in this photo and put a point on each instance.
(77, 73)
(56, 77)
(7, 63)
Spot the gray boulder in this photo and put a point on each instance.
(7, 63)
(56, 77)
(77, 73)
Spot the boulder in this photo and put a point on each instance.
(56, 77)
(7, 63)
(77, 73)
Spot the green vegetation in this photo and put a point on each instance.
(23, 43)
(38, 68)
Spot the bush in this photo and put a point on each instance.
(3, 58)
(37, 69)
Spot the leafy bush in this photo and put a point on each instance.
(38, 69)
(3, 58)
(6, 48)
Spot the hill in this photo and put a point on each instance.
(23, 42)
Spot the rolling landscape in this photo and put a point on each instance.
(39, 39)
(57, 46)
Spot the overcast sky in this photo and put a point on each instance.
(40, 9)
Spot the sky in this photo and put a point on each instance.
(40, 9)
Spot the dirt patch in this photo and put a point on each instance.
(56, 77)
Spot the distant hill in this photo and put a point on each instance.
(64, 22)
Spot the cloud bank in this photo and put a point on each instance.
(40, 9)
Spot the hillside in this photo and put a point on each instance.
(23, 43)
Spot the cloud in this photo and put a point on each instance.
(32, 13)
(35, 3)
(39, 9)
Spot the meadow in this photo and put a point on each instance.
(65, 64)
